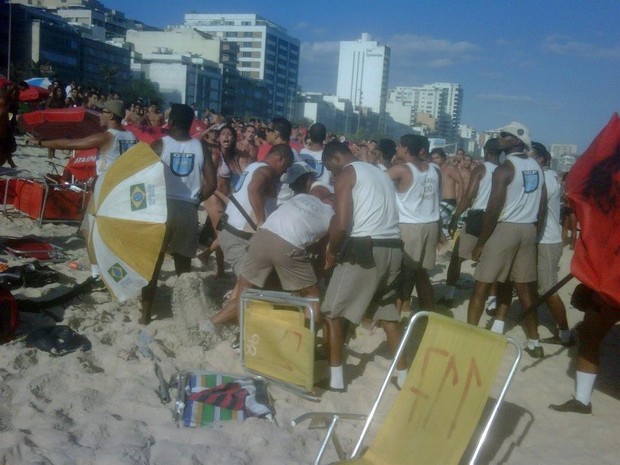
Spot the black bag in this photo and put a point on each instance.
(473, 225)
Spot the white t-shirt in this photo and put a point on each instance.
(301, 221)
(524, 192)
(315, 160)
(123, 141)
(420, 203)
(484, 189)
(553, 229)
(184, 161)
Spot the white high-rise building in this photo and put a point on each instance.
(266, 52)
(363, 70)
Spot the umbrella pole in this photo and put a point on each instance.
(543, 298)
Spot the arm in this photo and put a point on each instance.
(468, 196)
(96, 141)
(208, 173)
(257, 190)
(343, 218)
(396, 174)
(502, 176)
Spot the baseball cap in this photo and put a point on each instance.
(519, 131)
(114, 106)
(297, 169)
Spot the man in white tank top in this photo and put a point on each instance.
(506, 246)
(418, 192)
(366, 252)
(476, 196)
(190, 178)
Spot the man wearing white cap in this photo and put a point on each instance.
(506, 246)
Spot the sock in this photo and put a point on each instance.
(336, 377)
(449, 294)
(565, 335)
(95, 271)
(531, 343)
(401, 377)
(491, 302)
(207, 327)
(584, 386)
(498, 326)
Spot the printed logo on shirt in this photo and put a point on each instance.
(316, 165)
(124, 145)
(182, 164)
(531, 180)
(237, 180)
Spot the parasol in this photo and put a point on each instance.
(63, 123)
(148, 134)
(39, 82)
(33, 94)
(128, 221)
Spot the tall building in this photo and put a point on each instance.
(266, 52)
(557, 150)
(442, 100)
(363, 71)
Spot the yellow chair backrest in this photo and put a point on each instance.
(277, 344)
(436, 413)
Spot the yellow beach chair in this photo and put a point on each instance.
(434, 417)
(277, 340)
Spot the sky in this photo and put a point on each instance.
(553, 65)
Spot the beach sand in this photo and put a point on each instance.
(101, 406)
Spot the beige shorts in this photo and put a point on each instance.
(234, 249)
(182, 228)
(509, 254)
(467, 242)
(354, 291)
(267, 251)
(548, 265)
(419, 244)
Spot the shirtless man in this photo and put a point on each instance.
(451, 181)
(247, 143)
(464, 168)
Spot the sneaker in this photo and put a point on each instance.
(573, 406)
(556, 340)
(324, 385)
(97, 284)
(236, 345)
(536, 352)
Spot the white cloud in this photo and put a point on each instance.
(562, 45)
(424, 45)
(506, 98)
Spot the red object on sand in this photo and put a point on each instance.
(49, 203)
(596, 261)
(64, 123)
(83, 164)
(33, 94)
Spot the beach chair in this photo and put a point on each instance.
(276, 339)
(437, 412)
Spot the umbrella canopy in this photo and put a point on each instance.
(63, 123)
(128, 221)
(39, 82)
(33, 94)
(148, 134)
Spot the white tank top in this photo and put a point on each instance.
(184, 161)
(524, 192)
(123, 141)
(375, 213)
(420, 203)
(484, 189)
(240, 191)
(553, 229)
(300, 221)
(315, 160)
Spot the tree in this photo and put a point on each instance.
(144, 89)
(108, 74)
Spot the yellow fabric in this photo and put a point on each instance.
(135, 159)
(139, 243)
(436, 413)
(277, 345)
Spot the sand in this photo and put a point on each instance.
(101, 406)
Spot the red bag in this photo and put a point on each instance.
(9, 316)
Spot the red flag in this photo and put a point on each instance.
(593, 187)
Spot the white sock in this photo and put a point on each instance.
(336, 377)
(565, 335)
(449, 294)
(95, 271)
(498, 326)
(401, 377)
(584, 386)
(531, 343)
(491, 302)
(207, 327)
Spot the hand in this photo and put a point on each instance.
(475, 254)
(452, 227)
(330, 259)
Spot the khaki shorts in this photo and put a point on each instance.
(354, 291)
(509, 254)
(267, 251)
(234, 249)
(548, 265)
(182, 228)
(467, 242)
(419, 244)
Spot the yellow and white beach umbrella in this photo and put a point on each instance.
(127, 219)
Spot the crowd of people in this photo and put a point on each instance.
(357, 225)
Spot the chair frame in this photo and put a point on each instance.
(330, 419)
(283, 298)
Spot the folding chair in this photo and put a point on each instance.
(436, 414)
(277, 340)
